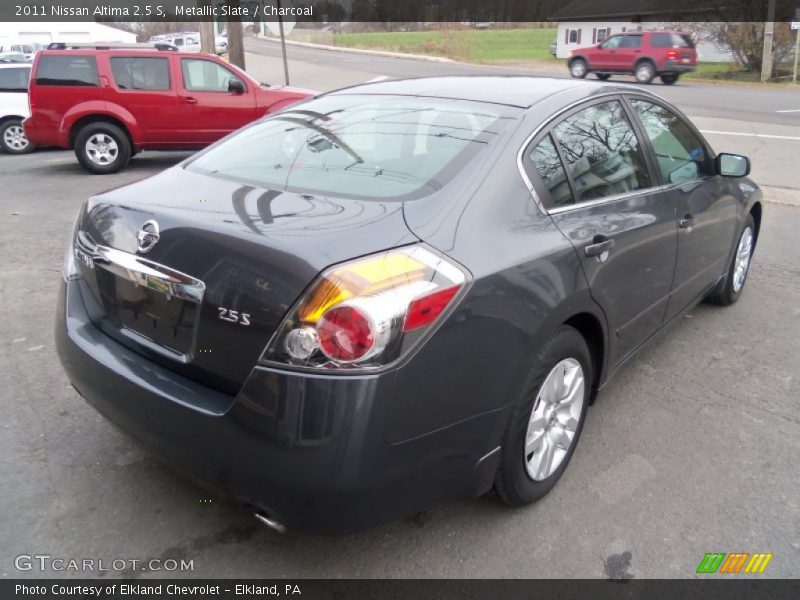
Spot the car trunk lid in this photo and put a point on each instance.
(228, 262)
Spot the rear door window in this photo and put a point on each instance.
(631, 41)
(14, 80)
(681, 155)
(139, 73)
(602, 153)
(67, 71)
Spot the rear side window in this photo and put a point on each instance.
(14, 80)
(206, 76)
(680, 153)
(631, 41)
(544, 158)
(67, 71)
(670, 40)
(661, 40)
(138, 73)
(602, 152)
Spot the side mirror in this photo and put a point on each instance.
(236, 86)
(732, 165)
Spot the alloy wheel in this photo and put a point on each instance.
(743, 254)
(15, 138)
(102, 149)
(554, 419)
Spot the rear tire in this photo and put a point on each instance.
(669, 78)
(13, 139)
(578, 68)
(644, 72)
(547, 419)
(102, 148)
(603, 76)
(732, 286)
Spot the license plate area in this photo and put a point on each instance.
(162, 320)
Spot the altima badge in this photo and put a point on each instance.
(147, 236)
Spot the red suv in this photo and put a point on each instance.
(645, 54)
(108, 104)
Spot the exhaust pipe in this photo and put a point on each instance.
(271, 523)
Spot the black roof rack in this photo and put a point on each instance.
(162, 46)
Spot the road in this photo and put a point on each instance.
(691, 449)
(739, 119)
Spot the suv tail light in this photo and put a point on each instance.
(370, 312)
(672, 54)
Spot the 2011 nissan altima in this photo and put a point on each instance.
(400, 293)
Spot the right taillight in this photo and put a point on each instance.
(370, 312)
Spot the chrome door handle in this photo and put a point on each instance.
(190, 100)
(600, 244)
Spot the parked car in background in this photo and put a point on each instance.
(14, 107)
(29, 49)
(190, 42)
(401, 293)
(13, 57)
(644, 54)
(554, 48)
(111, 103)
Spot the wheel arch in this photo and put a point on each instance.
(591, 328)
(5, 118)
(98, 118)
(756, 211)
(649, 59)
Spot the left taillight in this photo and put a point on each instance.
(370, 312)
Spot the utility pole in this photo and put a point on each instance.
(235, 35)
(769, 35)
(283, 46)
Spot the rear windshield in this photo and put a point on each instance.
(366, 147)
(67, 70)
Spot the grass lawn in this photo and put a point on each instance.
(486, 46)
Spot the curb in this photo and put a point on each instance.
(779, 195)
(438, 59)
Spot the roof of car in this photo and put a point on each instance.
(519, 91)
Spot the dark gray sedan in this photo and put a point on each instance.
(401, 293)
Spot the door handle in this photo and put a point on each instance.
(599, 245)
(190, 100)
(686, 222)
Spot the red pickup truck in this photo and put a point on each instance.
(644, 54)
(108, 103)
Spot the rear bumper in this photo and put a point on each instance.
(308, 450)
(671, 66)
(44, 133)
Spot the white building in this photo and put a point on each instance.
(43, 33)
(579, 34)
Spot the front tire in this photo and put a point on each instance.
(102, 148)
(13, 139)
(730, 288)
(578, 68)
(644, 72)
(547, 420)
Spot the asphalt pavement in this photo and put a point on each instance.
(692, 448)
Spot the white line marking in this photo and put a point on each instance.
(16, 341)
(378, 78)
(788, 111)
(32, 348)
(762, 135)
